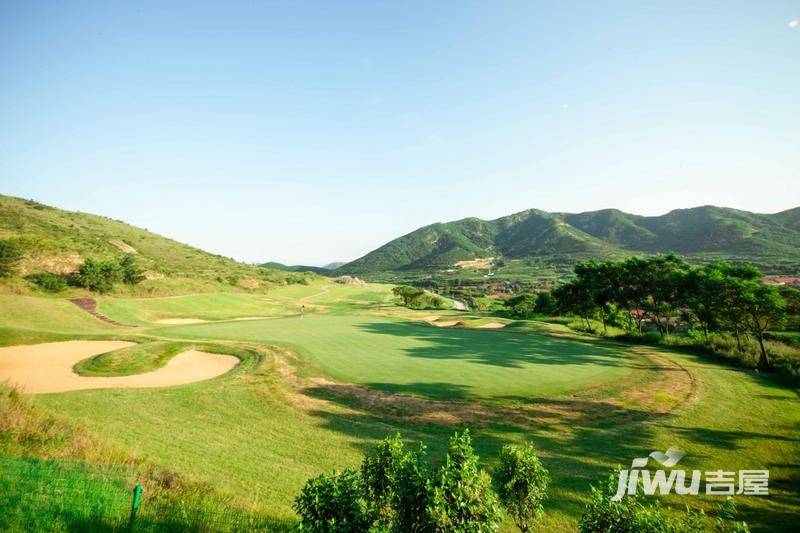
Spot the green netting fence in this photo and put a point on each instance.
(45, 495)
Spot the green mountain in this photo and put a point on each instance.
(296, 268)
(701, 233)
(58, 241)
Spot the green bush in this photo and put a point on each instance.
(49, 282)
(632, 514)
(333, 504)
(462, 499)
(10, 255)
(398, 491)
(131, 273)
(97, 275)
(522, 483)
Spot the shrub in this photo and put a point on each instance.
(633, 515)
(97, 275)
(131, 273)
(522, 484)
(462, 499)
(333, 503)
(49, 282)
(10, 255)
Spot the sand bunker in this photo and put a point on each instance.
(446, 323)
(180, 321)
(492, 325)
(47, 367)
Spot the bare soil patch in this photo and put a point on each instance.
(42, 368)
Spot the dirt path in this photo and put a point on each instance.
(47, 367)
(90, 306)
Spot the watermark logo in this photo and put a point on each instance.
(717, 482)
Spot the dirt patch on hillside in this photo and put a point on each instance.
(123, 246)
(492, 325)
(42, 368)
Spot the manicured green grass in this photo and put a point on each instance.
(137, 359)
(27, 319)
(427, 360)
(205, 306)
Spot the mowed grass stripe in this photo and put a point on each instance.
(430, 361)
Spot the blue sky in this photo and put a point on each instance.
(309, 132)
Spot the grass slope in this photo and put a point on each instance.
(55, 240)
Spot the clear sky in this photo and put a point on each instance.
(309, 132)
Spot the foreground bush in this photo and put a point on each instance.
(397, 490)
(522, 483)
(633, 515)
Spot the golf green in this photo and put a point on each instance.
(409, 357)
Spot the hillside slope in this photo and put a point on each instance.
(707, 232)
(58, 241)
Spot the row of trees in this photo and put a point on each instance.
(397, 490)
(665, 290)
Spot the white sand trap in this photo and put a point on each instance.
(492, 325)
(446, 323)
(47, 367)
(181, 321)
(432, 318)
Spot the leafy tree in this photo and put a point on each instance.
(10, 256)
(522, 483)
(97, 275)
(764, 309)
(333, 504)
(576, 297)
(131, 273)
(462, 499)
(522, 305)
(545, 304)
(407, 293)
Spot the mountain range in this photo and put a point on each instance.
(771, 241)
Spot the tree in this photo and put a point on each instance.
(97, 275)
(407, 293)
(702, 292)
(764, 309)
(131, 273)
(462, 499)
(522, 305)
(576, 297)
(545, 304)
(333, 504)
(10, 256)
(522, 483)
